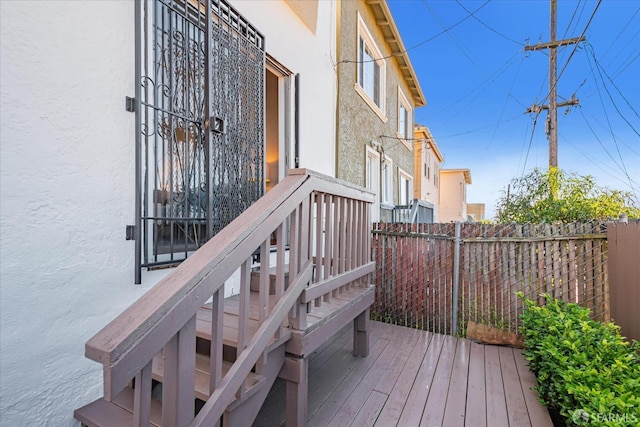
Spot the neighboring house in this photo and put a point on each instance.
(426, 168)
(453, 195)
(80, 173)
(475, 211)
(378, 92)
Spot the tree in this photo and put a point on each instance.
(558, 196)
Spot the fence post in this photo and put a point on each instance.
(456, 280)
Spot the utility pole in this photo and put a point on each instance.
(552, 107)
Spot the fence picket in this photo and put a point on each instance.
(415, 271)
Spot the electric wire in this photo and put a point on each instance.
(615, 140)
(595, 161)
(617, 37)
(575, 47)
(450, 34)
(533, 130)
(621, 70)
(417, 45)
(487, 26)
(504, 107)
(600, 71)
(564, 36)
(492, 78)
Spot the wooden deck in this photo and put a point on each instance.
(413, 378)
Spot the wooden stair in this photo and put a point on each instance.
(120, 410)
(158, 354)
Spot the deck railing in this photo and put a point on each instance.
(320, 224)
(418, 212)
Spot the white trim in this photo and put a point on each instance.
(403, 101)
(404, 176)
(375, 57)
(370, 103)
(386, 181)
(372, 179)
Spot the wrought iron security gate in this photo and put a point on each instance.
(200, 124)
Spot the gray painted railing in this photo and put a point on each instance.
(328, 248)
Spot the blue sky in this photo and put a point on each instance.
(478, 81)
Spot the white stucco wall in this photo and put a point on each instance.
(66, 195)
(67, 183)
(311, 55)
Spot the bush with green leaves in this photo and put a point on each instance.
(585, 369)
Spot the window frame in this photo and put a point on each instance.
(408, 178)
(372, 170)
(365, 43)
(386, 181)
(403, 103)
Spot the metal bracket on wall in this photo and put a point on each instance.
(130, 104)
(130, 233)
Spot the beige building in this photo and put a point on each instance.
(378, 91)
(453, 194)
(427, 159)
(475, 211)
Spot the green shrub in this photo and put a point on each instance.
(585, 369)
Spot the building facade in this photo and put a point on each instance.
(84, 169)
(475, 211)
(453, 194)
(426, 168)
(378, 92)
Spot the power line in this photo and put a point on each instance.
(595, 161)
(575, 47)
(450, 34)
(504, 106)
(600, 71)
(621, 70)
(533, 130)
(593, 132)
(489, 27)
(493, 77)
(349, 61)
(615, 140)
(617, 37)
(572, 18)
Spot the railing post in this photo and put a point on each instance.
(456, 279)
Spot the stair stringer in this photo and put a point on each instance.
(245, 411)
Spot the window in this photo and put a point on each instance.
(427, 165)
(405, 187)
(386, 191)
(371, 71)
(404, 119)
(372, 180)
(187, 193)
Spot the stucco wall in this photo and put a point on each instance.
(312, 55)
(67, 184)
(453, 204)
(358, 124)
(67, 194)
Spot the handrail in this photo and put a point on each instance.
(166, 314)
(225, 394)
(410, 213)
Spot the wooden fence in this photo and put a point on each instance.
(624, 267)
(420, 272)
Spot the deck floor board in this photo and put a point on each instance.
(414, 377)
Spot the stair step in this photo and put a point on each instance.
(119, 412)
(202, 376)
(230, 323)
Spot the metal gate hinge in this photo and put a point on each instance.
(130, 104)
(130, 232)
